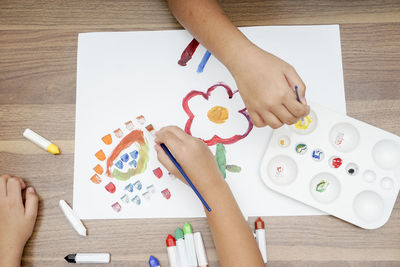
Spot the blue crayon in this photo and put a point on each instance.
(153, 262)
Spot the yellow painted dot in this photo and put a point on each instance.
(303, 125)
(218, 114)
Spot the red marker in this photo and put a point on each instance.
(172, 252)
(261, 239)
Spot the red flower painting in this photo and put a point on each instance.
(217, 115)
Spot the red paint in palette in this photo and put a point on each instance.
(188, 52)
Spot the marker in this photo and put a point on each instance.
(296, 88)
(153, 262)
(180, 245)
(200, 250)
(88, 258)
(260, 237)
(41, 142)
(171, 157)
(172, 252)
(189, 244)
(72, 218)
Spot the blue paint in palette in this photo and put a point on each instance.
(133, 163)
(125, 157)
(129, 188)
(134, 154)
(203, 62)
(119, 165)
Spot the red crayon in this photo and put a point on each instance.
(261, 239)
(172, 252)
(188, 52)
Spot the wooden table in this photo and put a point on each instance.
(38, 42)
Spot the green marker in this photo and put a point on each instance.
(181, 247)
(189, 244)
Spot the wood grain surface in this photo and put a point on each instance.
(38, 45)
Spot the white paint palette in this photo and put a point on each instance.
(336, 164)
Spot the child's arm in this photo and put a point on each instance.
(265, 82)
(16, 219)
(232, 236)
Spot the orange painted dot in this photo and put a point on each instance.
(100, 155)
(98, 169)
(218, 114)
(107, 139)
(149, 127)
(95, 179)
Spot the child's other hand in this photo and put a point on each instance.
(266, 84)
(16, 218)
(192, 154)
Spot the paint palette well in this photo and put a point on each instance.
(337, 164)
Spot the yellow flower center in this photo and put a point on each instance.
(303, 125)
(218, 114)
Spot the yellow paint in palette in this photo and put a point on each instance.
(303, 124)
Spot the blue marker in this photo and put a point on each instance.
(203, 62)
(153, 262)
(171, 157)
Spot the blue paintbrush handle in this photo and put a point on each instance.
(171, 157)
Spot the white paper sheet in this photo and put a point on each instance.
(121, 75)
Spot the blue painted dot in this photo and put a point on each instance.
(133, 163)
(129, 188)
(119, 165)
(125, 157)
(134, 154)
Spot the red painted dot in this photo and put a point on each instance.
(166, 194)
(158, 173)
(110, 187)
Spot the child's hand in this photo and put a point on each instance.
(192, 154)
(266, 84)
(16, 219)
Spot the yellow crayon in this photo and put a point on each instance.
(41, 142)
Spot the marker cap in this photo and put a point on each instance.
(259, 224)
(170, 241)
(187, 228)
(178, 233)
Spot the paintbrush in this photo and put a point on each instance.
(171, 157)
(298, 99)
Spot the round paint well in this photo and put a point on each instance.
(318, 154)
(301, 148)
(344, 137)
(325, 188)
(369, 176)
(335, 162)
(368, 206)
(387, 183)
(282, 170)
(284, 141)
(306, 126)
(352, 169)
(386, 154)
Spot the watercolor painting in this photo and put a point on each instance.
(214, 120)
(122, 159)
